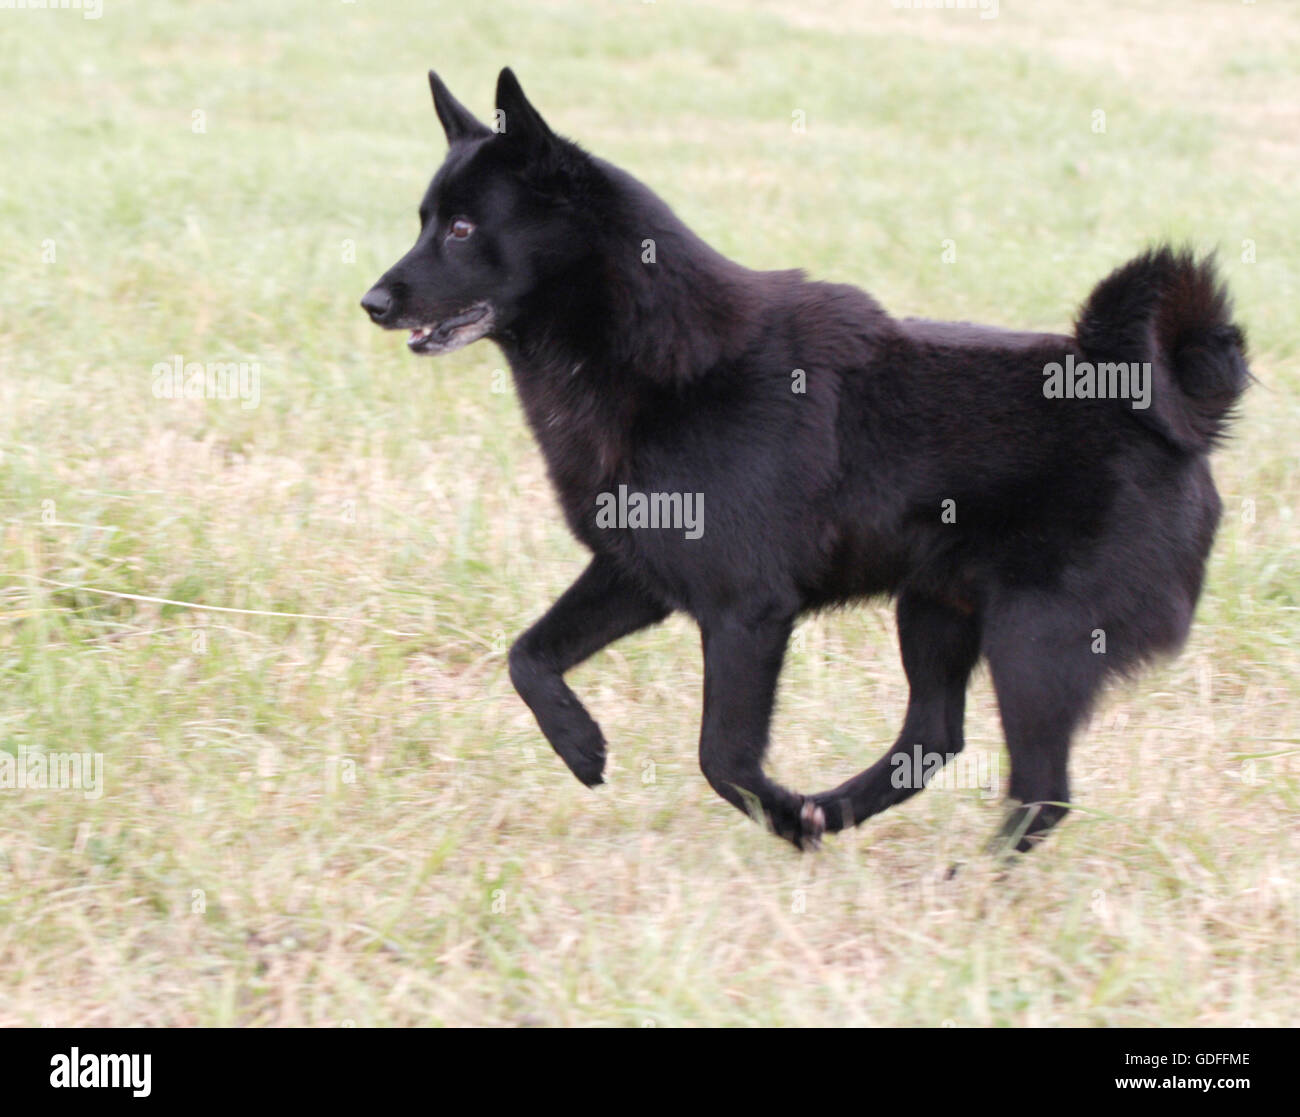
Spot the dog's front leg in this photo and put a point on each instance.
(742, 661)
(599, 608)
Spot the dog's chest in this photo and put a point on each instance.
(583, 432)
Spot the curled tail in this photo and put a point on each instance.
(1168, 309)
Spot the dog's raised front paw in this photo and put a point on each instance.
(583, 750)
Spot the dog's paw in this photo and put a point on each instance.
(802, 824)
(583, 750)
(812, 825)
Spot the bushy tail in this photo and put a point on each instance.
(1170, 310)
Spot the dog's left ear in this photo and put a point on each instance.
(516, 116)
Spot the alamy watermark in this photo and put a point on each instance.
(53, 771)
(967, 770)
(1105, 380)
(89, 9)
(89, 1071)
(177, 379)
(988, 9)
(629, 509)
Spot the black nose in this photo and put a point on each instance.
(377, 303)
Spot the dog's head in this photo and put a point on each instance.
(499, 219)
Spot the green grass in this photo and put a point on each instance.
(321, 821)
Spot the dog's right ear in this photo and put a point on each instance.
(457, 121)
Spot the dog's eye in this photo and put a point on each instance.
(460, 228)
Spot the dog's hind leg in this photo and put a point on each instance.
(600, 607)
(1045, 675)
(742, 661)
(940, 645)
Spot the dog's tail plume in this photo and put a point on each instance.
(1170, 310)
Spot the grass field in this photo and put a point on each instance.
(353, 819)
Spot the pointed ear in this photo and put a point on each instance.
(516, 116)
(457, 121)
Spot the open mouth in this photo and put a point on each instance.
(451, 333)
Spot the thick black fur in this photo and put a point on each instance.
(922, 460)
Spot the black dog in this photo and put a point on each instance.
(1041, 501)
